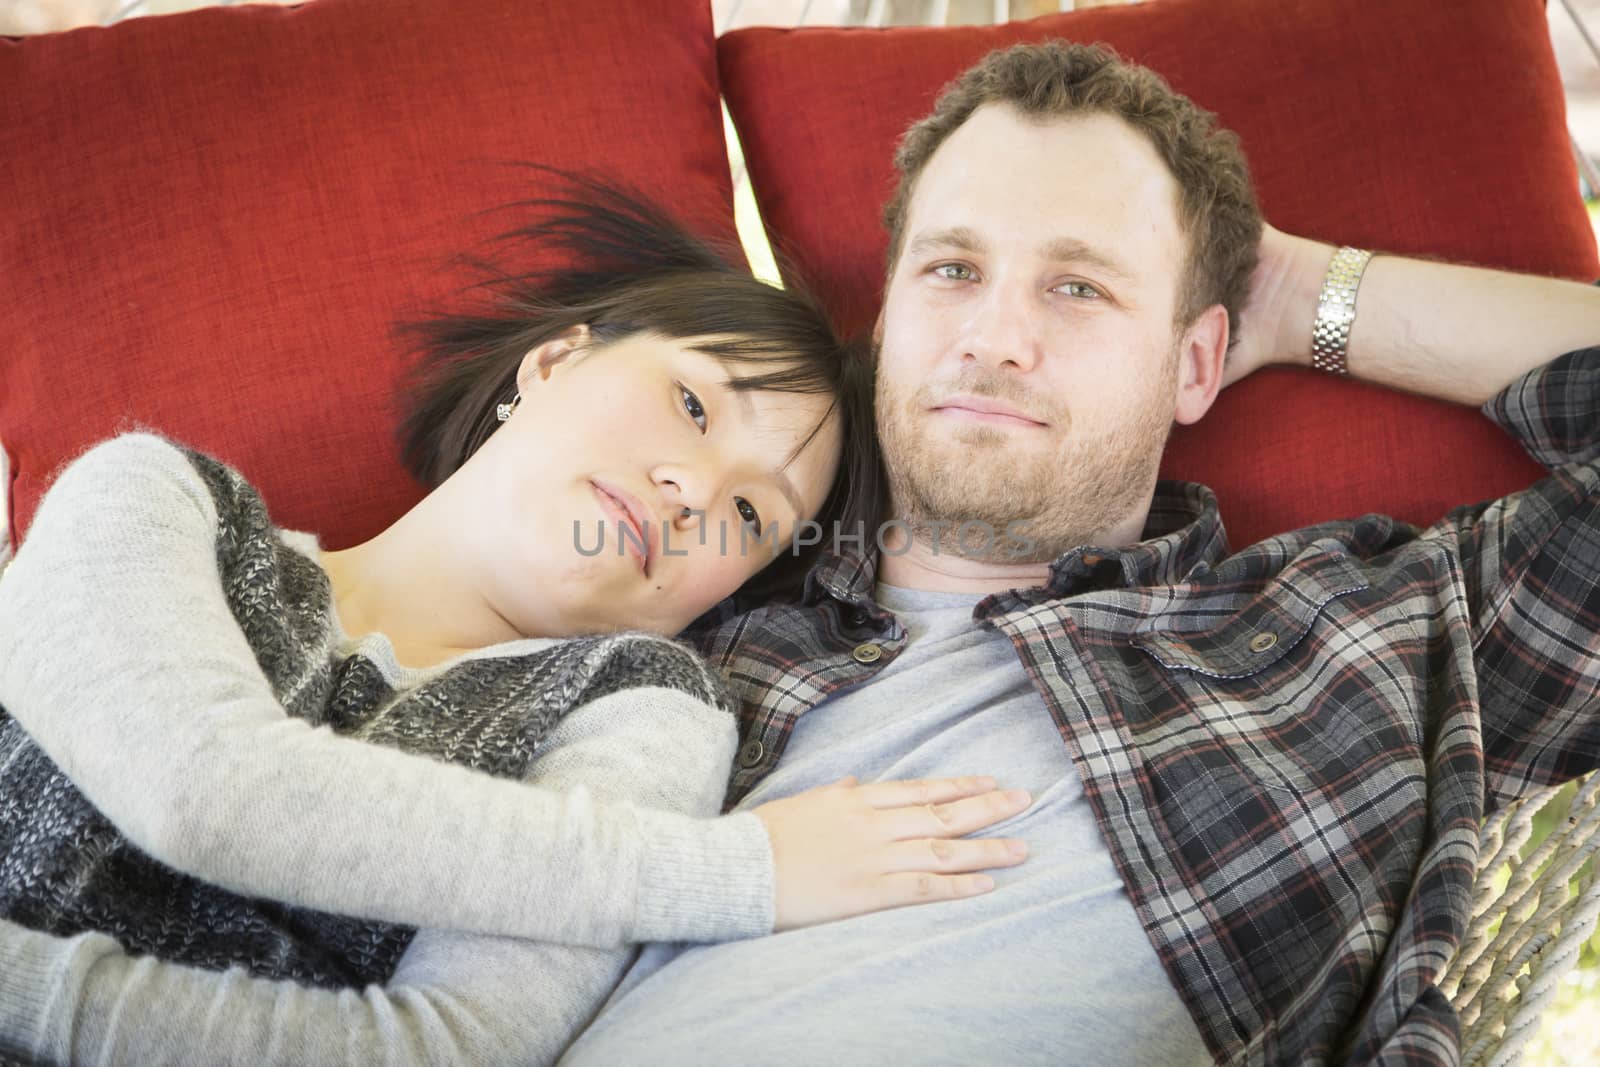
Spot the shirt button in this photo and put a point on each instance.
(750, 753)
(867, 653)
(1263, 641)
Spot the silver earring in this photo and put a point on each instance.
(502, 412)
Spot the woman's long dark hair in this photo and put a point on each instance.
(625, 268)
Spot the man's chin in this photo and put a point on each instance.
(950, 503)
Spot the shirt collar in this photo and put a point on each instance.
(1183, 539)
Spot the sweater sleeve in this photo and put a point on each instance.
(455, 997)
(119, 655)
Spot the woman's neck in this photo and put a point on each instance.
(408, 585)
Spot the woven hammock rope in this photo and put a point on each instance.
(1522, 939)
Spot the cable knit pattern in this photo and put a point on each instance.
(65, 869)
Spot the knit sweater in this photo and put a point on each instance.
(309, 798)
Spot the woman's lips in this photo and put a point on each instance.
(628, 511)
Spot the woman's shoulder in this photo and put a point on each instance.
(131, 450)
(141, 475)
(136, 469)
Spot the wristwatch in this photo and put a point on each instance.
(1336, 310)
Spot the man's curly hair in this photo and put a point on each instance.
(1054, 79)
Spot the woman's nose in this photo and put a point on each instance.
(682, 511)
(686, 490)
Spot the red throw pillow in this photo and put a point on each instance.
(216, 217)
(1410, 125)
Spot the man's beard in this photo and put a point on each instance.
(1019, 505)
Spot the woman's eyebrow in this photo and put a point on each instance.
(786, 487)
(781, 476)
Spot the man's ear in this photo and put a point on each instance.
(877, 327)
(1201, 354)
(538, 363)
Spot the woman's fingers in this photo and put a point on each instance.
(956, 818)
(900, 890)
(918, 791)
(844, 849)
(939, 856)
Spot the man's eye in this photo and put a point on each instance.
(955, 272)
(747, 512)
(692, 405)
(1082, 290)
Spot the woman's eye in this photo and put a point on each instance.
(955, 272)
(692, 405)
(747, 512)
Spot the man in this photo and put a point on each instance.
(1257, 777)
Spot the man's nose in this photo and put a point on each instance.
(1003, 333)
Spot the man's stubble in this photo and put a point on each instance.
(944, 476)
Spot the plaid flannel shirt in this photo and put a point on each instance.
(1288, 750)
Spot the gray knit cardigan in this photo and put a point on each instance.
(65, 869)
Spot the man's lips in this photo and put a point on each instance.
(625, 508)
(981, 409)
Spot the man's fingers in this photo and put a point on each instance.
(957, 818)
(918, 791)
(940, 856)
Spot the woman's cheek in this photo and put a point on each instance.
(726, 573)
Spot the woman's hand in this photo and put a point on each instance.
(846, 849)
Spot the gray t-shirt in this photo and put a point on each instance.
(1052, 967)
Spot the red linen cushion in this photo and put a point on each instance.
(1409, 125)
(215, 218)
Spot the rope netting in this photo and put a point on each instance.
(1530, 919)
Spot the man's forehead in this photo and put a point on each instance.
(1003, 127)
(1061, 184)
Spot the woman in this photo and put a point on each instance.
(234, 700)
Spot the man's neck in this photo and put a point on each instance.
(940, 567)
(919, 566)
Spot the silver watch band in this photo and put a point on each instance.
(1336, 310)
